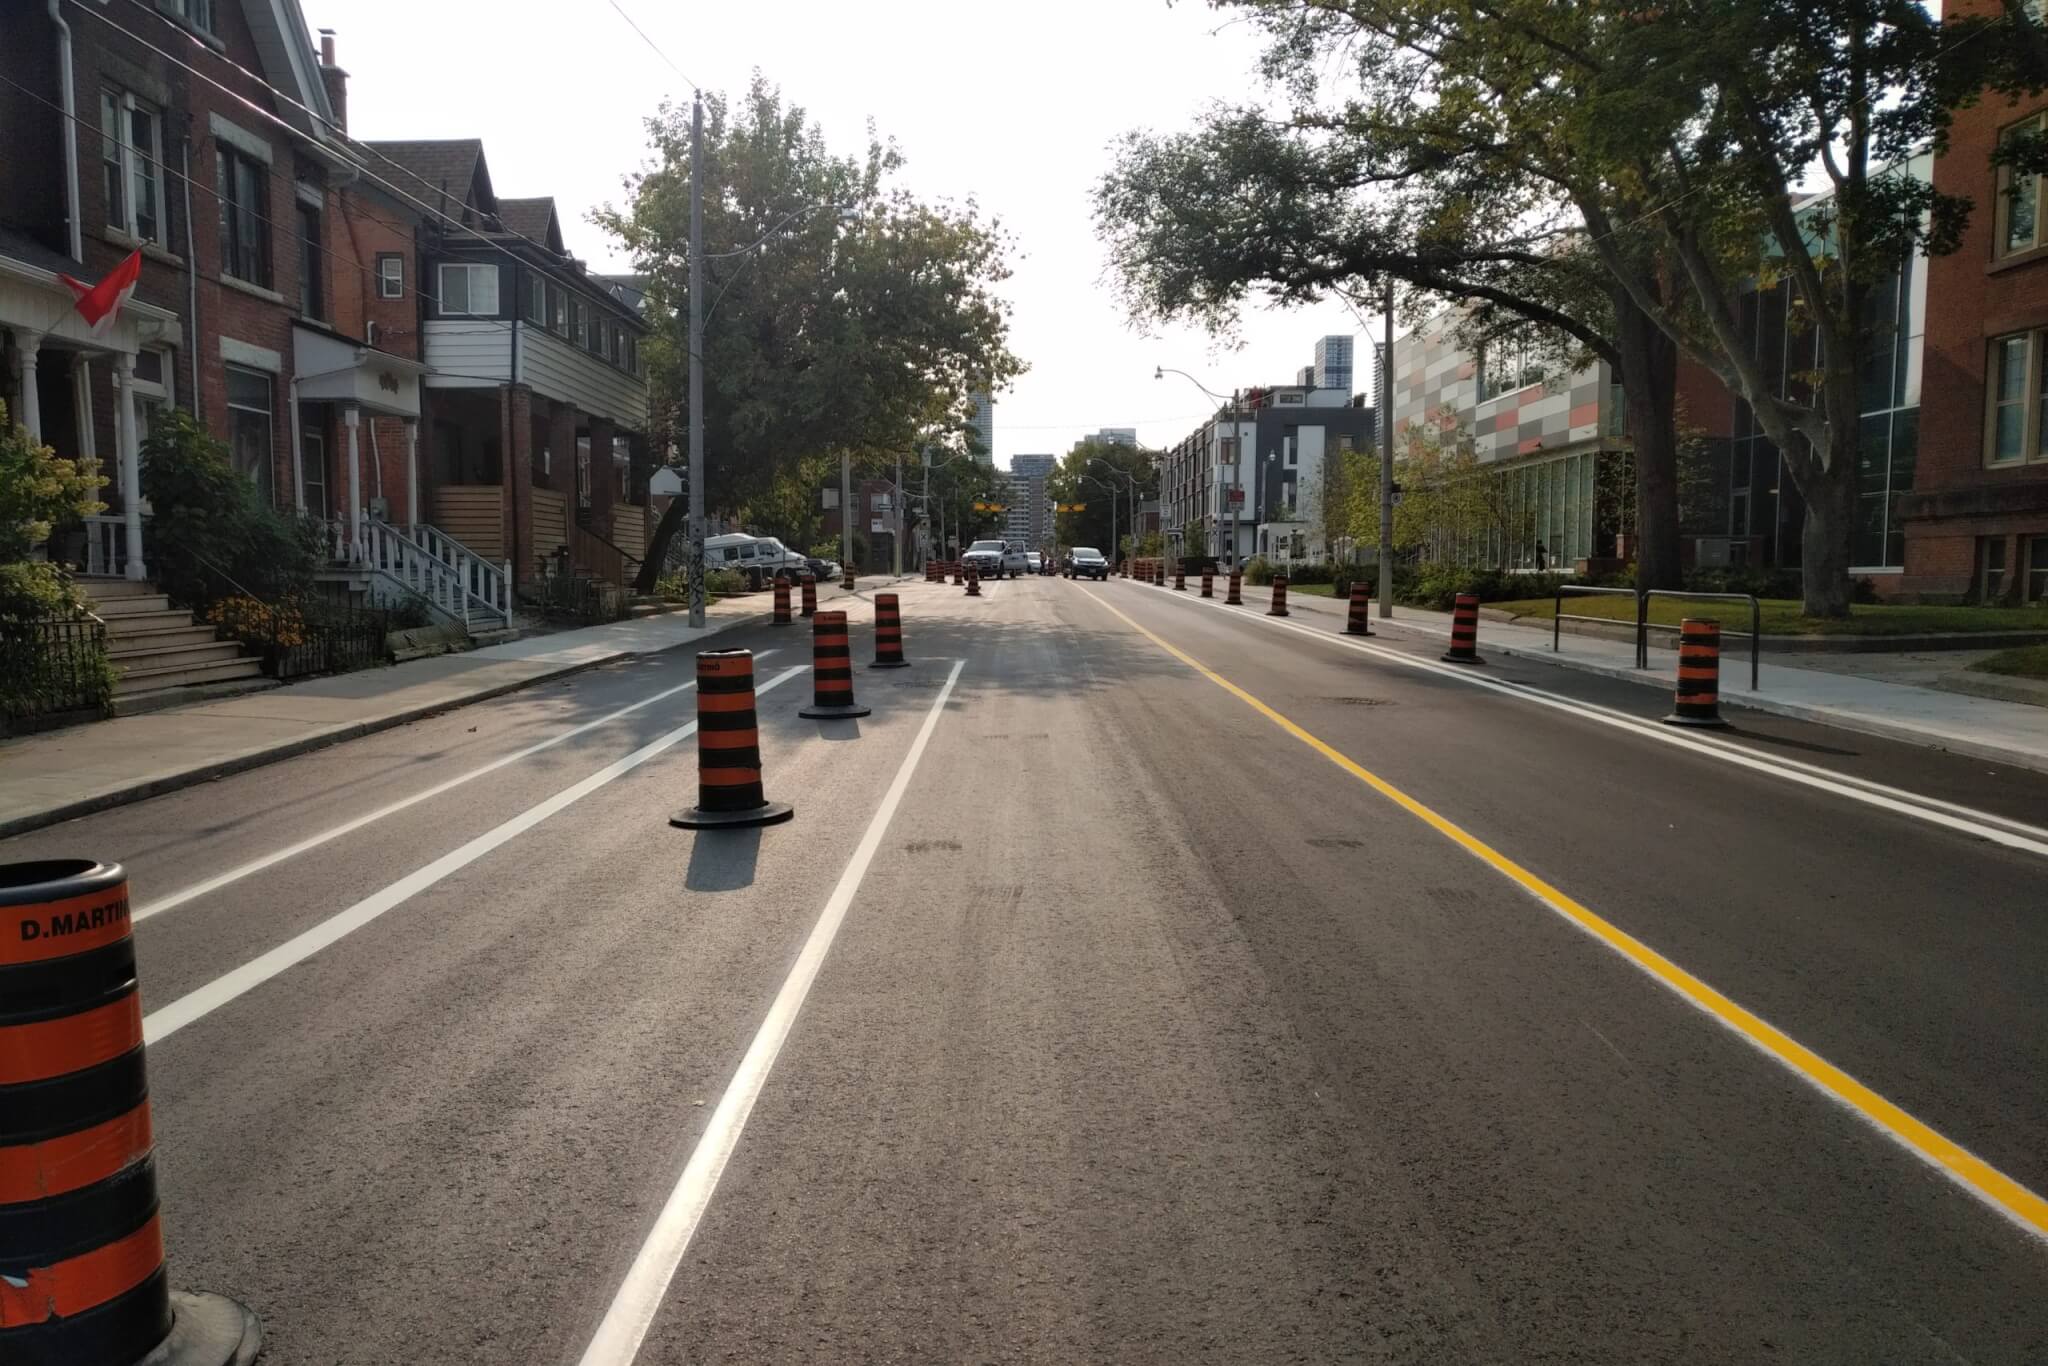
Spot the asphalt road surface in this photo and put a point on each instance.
(1144, 981)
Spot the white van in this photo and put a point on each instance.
(759, 558)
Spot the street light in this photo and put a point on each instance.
(1236, 440)
(1132, 482)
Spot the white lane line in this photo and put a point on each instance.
(291, 851)
(633, 1308)
(1986, 825)
(165, 1021)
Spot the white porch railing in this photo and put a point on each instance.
(106, 543)
(456, 583)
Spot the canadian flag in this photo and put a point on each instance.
(100, 304)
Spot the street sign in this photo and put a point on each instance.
(666, 482)
(1237, 497)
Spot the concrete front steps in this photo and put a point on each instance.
(159, 651)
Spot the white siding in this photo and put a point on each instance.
(467, 354)
(560, 371)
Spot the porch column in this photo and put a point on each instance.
(131, 467)
(351, 417)
(31, 415)
(81, 392)
(412, 470)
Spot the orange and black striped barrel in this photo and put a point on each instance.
(1279, 607)
(810, 587)
(832, 669)
(888, 633)
(1208, 583)
(1359, 623)
(1180, 577)
(1234, 596)
(1698, 700)
(729, 788)
(1464, 631)
(781, 600)
(958, 577)
(847, 581)
(81, 1254)
(973, 582)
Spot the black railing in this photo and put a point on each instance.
(50, 665)
(331, 638)
(1643, 624)
(565, 594)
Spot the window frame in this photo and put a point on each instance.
(268, 482)
(2032, 401)
(387, 287)
(2007, 191)
(238, 219)
(468, 310)
(132, 165)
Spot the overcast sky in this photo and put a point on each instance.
(1013, 104)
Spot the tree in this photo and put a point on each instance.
(1394, 179)
(1080, 478)
(843, 313)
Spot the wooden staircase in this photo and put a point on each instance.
(157, 648)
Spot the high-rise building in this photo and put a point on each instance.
(1333, 364)
(1028, 520)
(984, 424)
(1111, 436)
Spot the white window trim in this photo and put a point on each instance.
(2030, 402)
(240, 139)
(2002, 198)
(384, 280)
(441, 292)
(125, 105)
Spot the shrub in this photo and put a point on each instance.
(212, 534)
(32, 588)
(1765, 583)
(39, 491)
(725, 582)
(1258, 570)
(1437, 586)
(673, 586)
(1312, 573)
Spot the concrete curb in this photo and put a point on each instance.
(306, 744)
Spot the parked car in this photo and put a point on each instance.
(1086, 562)
(985, 558)
(1034, 563)
(821, 570)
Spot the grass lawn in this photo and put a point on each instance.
(1314, 590)
(1782, 617)
(2029, 661)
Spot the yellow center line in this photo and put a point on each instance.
(1990, 1185)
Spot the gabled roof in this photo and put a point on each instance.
(534, 219)
(289, 64)
(453, 165)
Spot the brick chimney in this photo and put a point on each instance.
(334, 78)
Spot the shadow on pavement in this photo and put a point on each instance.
(723, 860)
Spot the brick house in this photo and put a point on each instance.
(1976, 521)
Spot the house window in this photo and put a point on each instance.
(2016, 426)
(632, 360)
(130, 154)
(390, 275)
(536, 308)
(1509, 363)
(1990, 569)
(243, 184)
(558, 311)
(312, 264)
(249, 426)
(469, 290)
(197, 13)
(576, 321)
(2037, 569)
(152, 388)
(2019, 198)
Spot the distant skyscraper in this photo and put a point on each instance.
(1027, 521)
(1333, 363)
(984, 424)
(1112, 436)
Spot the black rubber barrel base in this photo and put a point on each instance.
(842, 712)
(1278, 612)
(1360, 631)
(697, 818)
(890, 664)
(1462, 659)
(1703, 722)
(207, 1330)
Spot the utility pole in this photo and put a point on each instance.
(1386, 420)
(1236, 473)
(696, 362)
(846, 511)
(896, 541)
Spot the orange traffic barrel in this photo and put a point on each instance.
(888, 633)
(810, 584)
(831, 670)
(1279, 607)
(82, 1278)
(847, 582)
(1698, 700)
(781, 600)
(1360, 620)
(973, 582)
(1464, 631)
(1234, 597)
(957, 580)
(1180, 576)
(1208, 583)
(728, 748)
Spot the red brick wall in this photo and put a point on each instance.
(1704, 402)
(1972, 296)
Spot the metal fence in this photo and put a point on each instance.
(51, 665)
(583, 600)
(332, 638)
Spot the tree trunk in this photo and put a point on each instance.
(1827, 536)
(1649, 378)
(672, 519)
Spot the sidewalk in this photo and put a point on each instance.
(60, 774)
(1984, 728)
